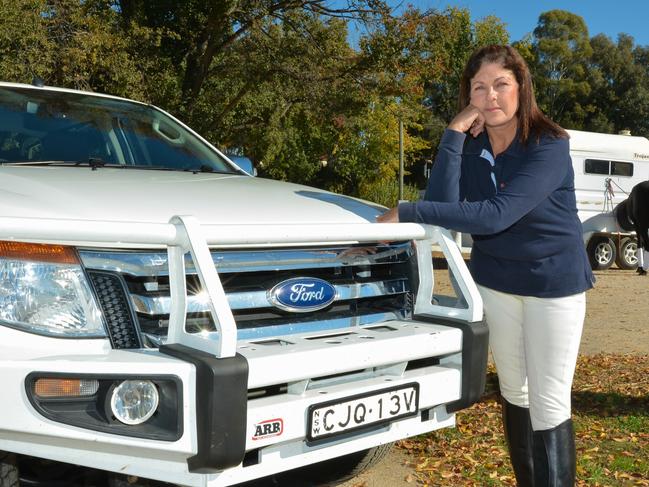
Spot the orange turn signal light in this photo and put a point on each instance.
(58, 254)
(51, 387)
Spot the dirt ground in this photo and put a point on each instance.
(617, 314)
(617, 321)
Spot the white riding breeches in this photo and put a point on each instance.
(534, 343)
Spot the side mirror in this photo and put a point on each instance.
(244, 164)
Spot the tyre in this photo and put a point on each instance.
(8, 470)
(627, 257)
(601, 252)
(117, 480)
(335, 471)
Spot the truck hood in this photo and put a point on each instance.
(130, 195)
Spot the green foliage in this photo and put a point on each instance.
(562, 53)
(68, 43)
(587, 83)
(283, 106)
(421, 56)
(386, 192)
(367, 148)
(620, 86)
(25, 50)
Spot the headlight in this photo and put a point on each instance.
(44, 290)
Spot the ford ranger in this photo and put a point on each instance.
(167, 317)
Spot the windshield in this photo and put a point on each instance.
(38, 126)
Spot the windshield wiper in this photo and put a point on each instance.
(96, 162)
(35, 163)
(201, 168)
(93, 162)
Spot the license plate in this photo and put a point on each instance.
(351, 413)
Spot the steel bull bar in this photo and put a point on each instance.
(222, 374)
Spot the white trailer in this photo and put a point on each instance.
(606, 168)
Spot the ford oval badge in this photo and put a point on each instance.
(302, 294)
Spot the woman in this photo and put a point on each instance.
(503, 173)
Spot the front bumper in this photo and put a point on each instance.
(219, 445)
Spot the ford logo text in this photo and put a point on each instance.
(302, 294)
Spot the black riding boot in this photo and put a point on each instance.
(518, 432)
(554, 456)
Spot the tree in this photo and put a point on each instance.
(620, 86)
(68, 43)
(420, 56)
(287, 96)
(562, 50)
(638, 121)
(451, 38)
(24, 44)
(366, 152)
(202, 32)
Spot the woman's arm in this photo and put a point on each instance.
(543, 171)
(444, 180)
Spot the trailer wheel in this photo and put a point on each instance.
(627, 257)
(8, 470)
(601, 252)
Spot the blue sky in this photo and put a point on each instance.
(521, 16)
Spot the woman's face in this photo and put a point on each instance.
(494, 91)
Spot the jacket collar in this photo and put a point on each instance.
(474, 146)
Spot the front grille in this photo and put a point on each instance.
(118, 314)
(373, 284)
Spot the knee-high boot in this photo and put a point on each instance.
(554, 456)
(518, 432)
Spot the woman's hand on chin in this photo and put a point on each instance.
(468, 120)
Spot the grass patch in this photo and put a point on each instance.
(611, 415)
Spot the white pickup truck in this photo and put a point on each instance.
(166, 317)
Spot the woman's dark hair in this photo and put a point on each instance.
(531, 120)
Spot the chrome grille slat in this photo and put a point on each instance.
(303, 327)
(154, 264)
(159, 305)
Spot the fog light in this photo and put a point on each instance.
(134, 401)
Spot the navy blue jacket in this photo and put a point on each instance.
(519, 208)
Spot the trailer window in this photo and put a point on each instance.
(621, 168)
(610, 168)
(595, 166)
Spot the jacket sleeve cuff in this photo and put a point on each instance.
(453, 139)
(407, 212)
